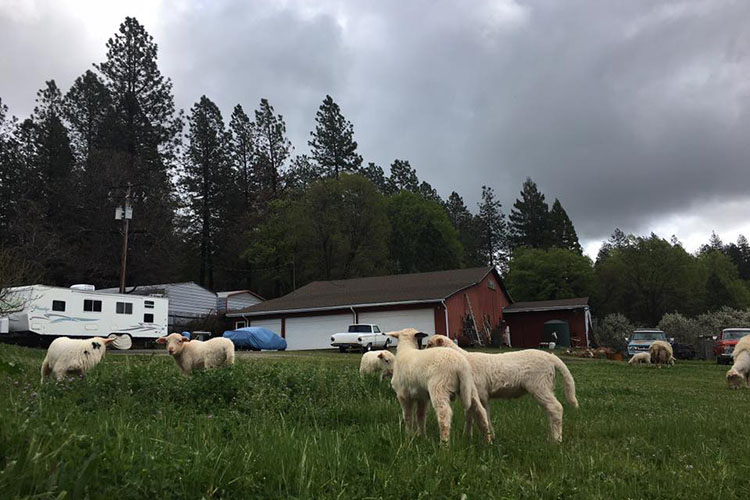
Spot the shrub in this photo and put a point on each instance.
(683, 329)
(613, 330)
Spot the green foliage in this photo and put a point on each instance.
(271, 148)
(469, 230)
(683, 329)
(549, 274)
(529, 218)
(563, 233)
(613, 330)
(333, 146)
(422, 237)
(403, 177)
(307, 426)
(493, 230)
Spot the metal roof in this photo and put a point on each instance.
(548, 305)
(401, 289)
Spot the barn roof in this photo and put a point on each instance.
(377, 290)
(547, 305)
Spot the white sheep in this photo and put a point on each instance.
(66, 356)
(513, 374)
(640, 357)
(433, 375)
(196, 355)
(377, 362)
(661, 353)
(740, 370)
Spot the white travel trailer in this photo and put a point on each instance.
(80, 311)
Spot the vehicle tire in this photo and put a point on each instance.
(367, 348)
(387, 344)
(342, 348)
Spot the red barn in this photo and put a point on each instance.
(567, 322)
(435, 302)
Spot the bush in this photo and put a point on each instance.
(711, 323)
(684, 330)
(613, 330)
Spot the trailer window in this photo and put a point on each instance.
(58, 305)
(148, 318)
(124, 308)
(92, 305)
(240, 324)
(148, 304)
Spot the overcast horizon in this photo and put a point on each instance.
(634, 116)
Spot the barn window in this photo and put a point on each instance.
(149, 304)
(240, 324)
(124, 308)
(491, 284)
(92, 305)
(148, 318)
(58, 305)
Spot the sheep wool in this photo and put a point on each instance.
(197, 355)
(640, 358)
(66, 356)
(661, 353)
(739, 373)
(380, 363)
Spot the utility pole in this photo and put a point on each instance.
(124, 213)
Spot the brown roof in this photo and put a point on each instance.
(398, 288)
(547, 305)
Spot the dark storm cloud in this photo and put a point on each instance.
(631, 113)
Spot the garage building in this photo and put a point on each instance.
(435, 302)
(567, 322)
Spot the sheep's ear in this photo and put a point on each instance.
(161, 340)
(393, 334)
(421, 335)
(109, 340)
(184, 339)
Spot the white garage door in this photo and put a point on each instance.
(314, 332)
(388, 321)
(272, 324)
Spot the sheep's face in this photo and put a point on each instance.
(439, 341)
(734, 379)
(99, 344)
(409, 336)
(175, 343)
(385, 360)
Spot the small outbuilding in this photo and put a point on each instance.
(236, 300)
(465, 304)
(566, 322)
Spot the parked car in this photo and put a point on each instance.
(724, 343)
(643, 338)
(361, 336)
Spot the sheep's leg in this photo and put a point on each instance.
(469, 424)
(442, 405)
(554, 409)
(421, 415)
(486, 405)
(46, 370)
(406, 408)
(483, 420)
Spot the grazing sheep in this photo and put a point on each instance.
(377, 362)
(67, 356)
(641, 357)
(196, 355)
(740, 370)
(513, 374)
(661, 353)
(434, 375)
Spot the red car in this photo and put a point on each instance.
(725, 342)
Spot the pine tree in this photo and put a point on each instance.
(429, 193)
(529, 219)
(563, 233)
(242, 153)
(333, 146)
(493, 229)
(9, 177)
(207, 181)
(376, 175)
(87, 109)
(403, 177)
(272, 148)
(468, 230)
(302, 173)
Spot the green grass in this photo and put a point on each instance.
(291, 426)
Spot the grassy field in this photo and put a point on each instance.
(294, 426)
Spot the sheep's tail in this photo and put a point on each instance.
(469, 394)
(569, 385)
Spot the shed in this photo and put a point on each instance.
(236, 300)
(188, 300)
(560, 319)
(434, 302)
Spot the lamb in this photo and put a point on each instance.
(377, 362)
(640, 357)
(513, 374)
(196, 355)
(740, 370)
(434, 375)
(661, 353)
(67, 356)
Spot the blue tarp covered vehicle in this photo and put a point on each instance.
(255, 338)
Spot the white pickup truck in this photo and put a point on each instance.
(361, 336)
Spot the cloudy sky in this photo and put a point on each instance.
(634, 114)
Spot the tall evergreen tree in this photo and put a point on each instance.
(493, 229)
(142, 148)
(563, 233)
(469, 232)
(376, 175)
(242, 153)
(9, 177)
(207, 181)
(87, 109)
(272, 148)
(403, 177)
(529, 219)
(332, 145)
(429, 193)
(740, 254)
